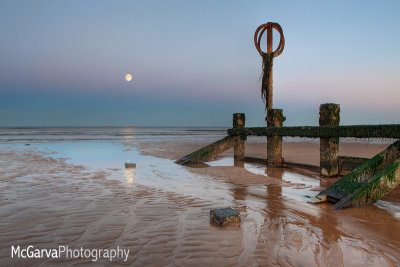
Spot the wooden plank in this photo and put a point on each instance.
(208, 152)
(374, 189)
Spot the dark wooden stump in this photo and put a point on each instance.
(329, 115)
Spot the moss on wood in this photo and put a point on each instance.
(266, 83)
(376, 188)
(368, 182)
(357, 131)
(275, 118)
(329, 114)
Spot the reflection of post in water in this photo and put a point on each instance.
(130, 175)
(329, 226)
(274, 194)
(327, 223)
(274, 172)
(239, 193)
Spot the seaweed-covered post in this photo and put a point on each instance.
(329, 115)
(274, 118)
(268, 58)
(239, 120)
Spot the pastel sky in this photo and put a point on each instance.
(62, 63)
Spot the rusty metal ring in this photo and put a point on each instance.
(281, 45)
(260, 31)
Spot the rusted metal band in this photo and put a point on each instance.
(260, 31)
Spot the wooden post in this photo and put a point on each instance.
(270, 80)
(239, 120)
(329, 115)
(274, 118)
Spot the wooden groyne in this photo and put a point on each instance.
(331, 164)
(366, 180)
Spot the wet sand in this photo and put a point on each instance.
(296, 152)
(47, 201)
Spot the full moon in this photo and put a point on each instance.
(128, 77)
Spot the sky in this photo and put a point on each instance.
(63, 63)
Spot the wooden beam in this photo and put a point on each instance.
(357, 131)
(208, 152)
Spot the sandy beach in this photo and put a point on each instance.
(161, 210)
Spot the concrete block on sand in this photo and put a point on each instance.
(224, 216)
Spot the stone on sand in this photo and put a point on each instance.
(224, 216)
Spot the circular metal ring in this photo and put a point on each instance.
(260, 31)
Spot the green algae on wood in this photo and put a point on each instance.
(329, 114)
(275, 118)
(373, 190)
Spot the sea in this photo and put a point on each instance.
(53, 134)
(27, 135)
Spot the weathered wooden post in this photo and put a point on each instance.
(329, 115)
(239, 120)
(268, 58)
(274, 118)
